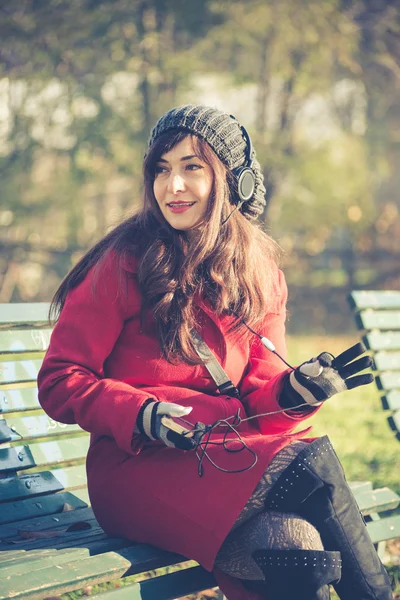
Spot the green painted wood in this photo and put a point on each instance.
(388, 380)
(380, 500)
(6, 434)
(167, 587)
(59, 451)
(373, 319)
(376, 340)
(77, 574)
(384, 529)
(391, 400)
(22, 342)
(46, 522)
(18, 399)
(15, 459)
(41, 560)
(19, 371)
(24, 313)
(360, 486)
(30, 485)
(394, 421)
(362, 299)
(52, 504)
(38, 426)
(71, 477)
(387, 361)
(70, 539)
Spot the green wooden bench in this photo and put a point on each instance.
(377, 314)
(50, 542)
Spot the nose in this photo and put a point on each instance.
(176, 183)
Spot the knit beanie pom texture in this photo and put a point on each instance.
(223, 133)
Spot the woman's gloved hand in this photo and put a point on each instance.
(149, 423)
(321, 377)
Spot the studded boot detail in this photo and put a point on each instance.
(314, 485)
(298, 574)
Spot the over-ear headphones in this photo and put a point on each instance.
(245, 176)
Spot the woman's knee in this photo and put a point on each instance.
(269, 531)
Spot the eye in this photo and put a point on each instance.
(160, 169)
(193, 167)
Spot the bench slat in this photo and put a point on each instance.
(18, 399)
(38, 426)
(55, 452)
(43, 523)
(77, 574)
(375, 340)
(387, 361)
(375, 319)
(14, 459)
(24, 313)
(30, 485)
(361, 299)
(388, 380)
(44, 505)
(23, 342)
(71, 477)
(168, 587)
(18, 371)
(394, 422)
(377, 500)
(391, 400)
(384, 529)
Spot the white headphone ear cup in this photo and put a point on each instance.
(246, 182)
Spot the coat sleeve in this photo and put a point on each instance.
(265, 374)
(71, 381)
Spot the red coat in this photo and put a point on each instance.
(98, 371)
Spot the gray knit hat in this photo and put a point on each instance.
(224, 135)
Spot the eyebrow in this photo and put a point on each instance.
(189, 157)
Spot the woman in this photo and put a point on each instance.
(145, 320)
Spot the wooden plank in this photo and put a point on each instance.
(18, 371)
(22, 342)
(358, 487)
(387, 361)
(377, 500)
(362, 299)
(391, 400)
(44, 505)
(15, 459)
(388, 380)
(77, 574)
(30, 485)
(40, 560)
(384, 529)
(394, 421)
(71, 477)
(46, 522)
(375, 340)
(24, 313)
(38, 426)
(18, 399)
(170, 586)
(60, 450)
(373, 319)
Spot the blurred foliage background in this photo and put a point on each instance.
(316, 82)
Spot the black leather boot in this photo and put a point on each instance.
(314, 485)
(298, 574)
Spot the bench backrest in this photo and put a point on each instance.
(48, 456)
(378, 315)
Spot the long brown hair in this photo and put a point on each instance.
(229, 265)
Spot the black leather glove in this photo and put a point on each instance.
(149, 423)
(321, 377)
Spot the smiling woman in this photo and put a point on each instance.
(173, 295)
(182, 186)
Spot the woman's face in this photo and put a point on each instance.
(182, 186)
